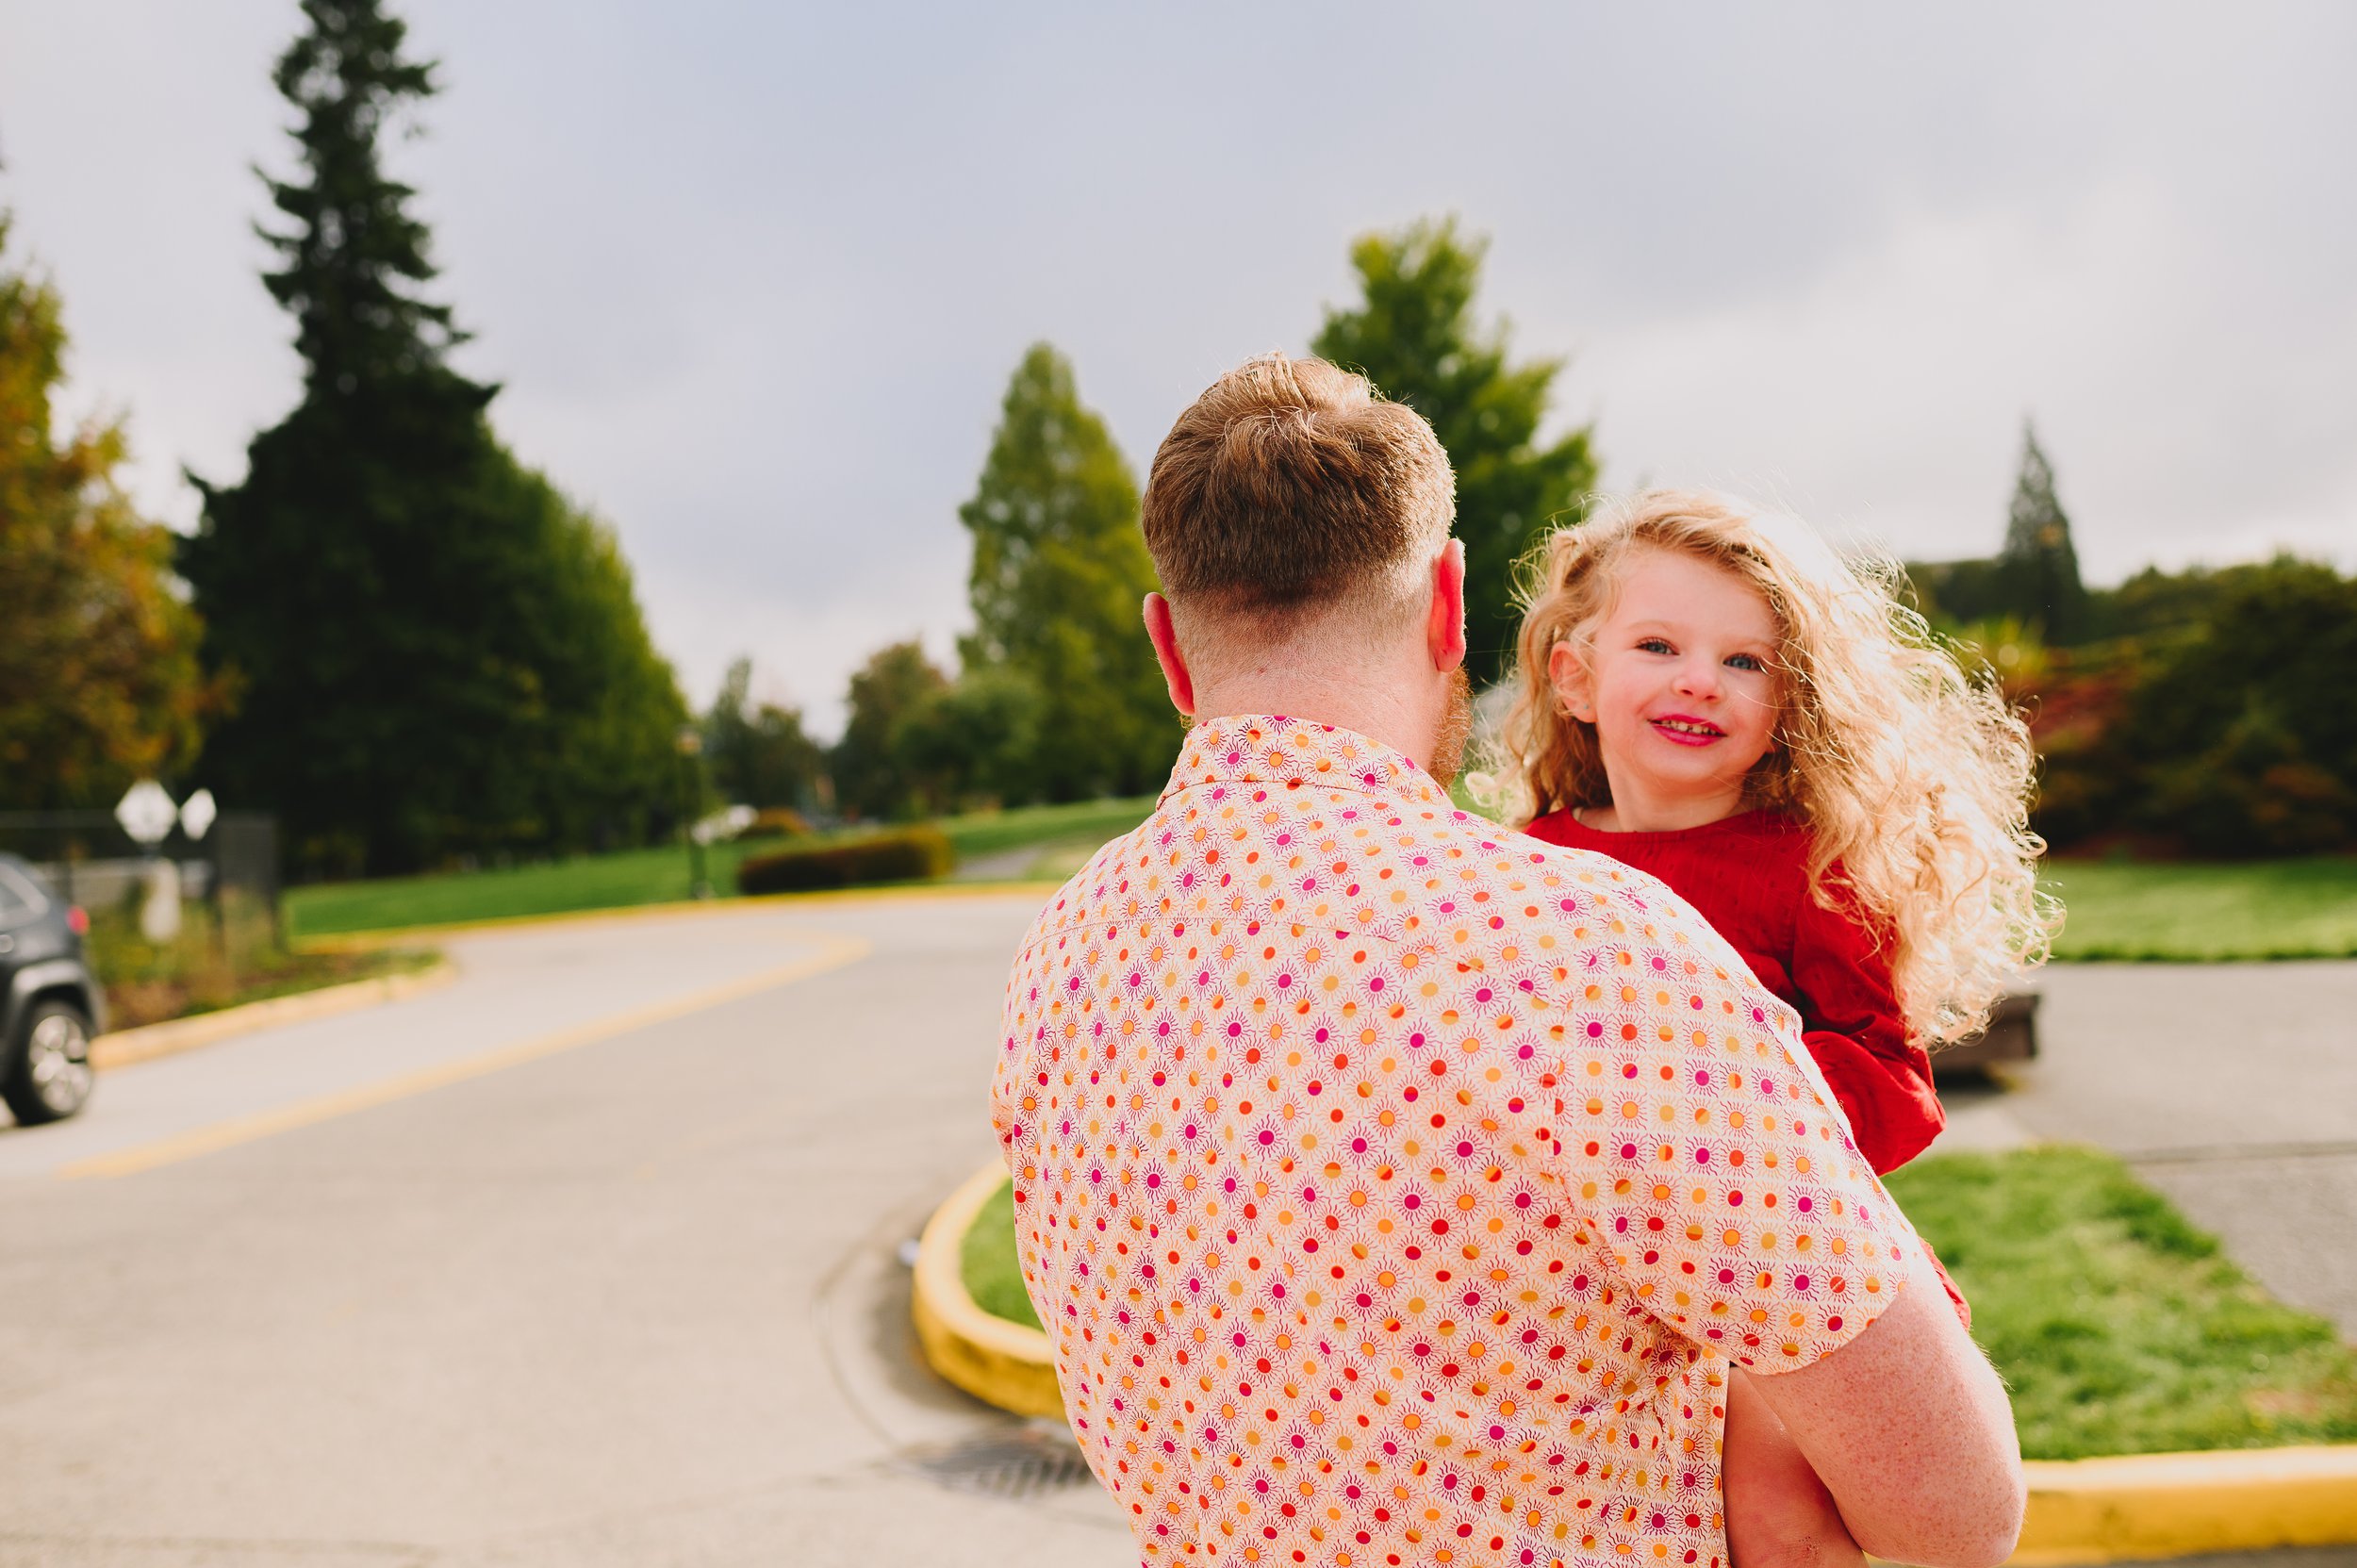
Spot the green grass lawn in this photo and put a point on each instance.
(554, 887)
(225, 955)
(994, 1278)
(2206, 914)
(1082, 823)
(2119, 1328)
(1065, 835)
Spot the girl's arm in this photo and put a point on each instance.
(1853, 1026)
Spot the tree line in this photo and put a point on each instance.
(418, 649)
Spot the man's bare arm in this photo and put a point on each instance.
(1911, 1432)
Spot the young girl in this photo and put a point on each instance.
(1712, 697)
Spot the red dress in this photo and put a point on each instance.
(1748, 875)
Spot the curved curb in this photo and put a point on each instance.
(2121, 1509)
(999, 1362)
(2179, 1505)
(174, 1036)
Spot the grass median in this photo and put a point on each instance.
(2119, 1328)
(630, 878)
(2192, 914)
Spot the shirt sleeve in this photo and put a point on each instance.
(1703, 1147)
(1856, 1031)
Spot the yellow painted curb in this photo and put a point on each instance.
(2137, 1506)
(174, 1036)
(2179, 1505)
(999, 1362)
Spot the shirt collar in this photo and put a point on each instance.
(1271, 750)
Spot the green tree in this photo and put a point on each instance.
(2235, 735)
(871, 773)
(98, 672)
(2038, 569)
(1060, 569)
(759, 753)
(1414, 334)
(437, 654)
(975, 742)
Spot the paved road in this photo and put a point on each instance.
(591, 1257)
(2230, 1087)
(552, 1267)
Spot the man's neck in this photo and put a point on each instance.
(1400, 714)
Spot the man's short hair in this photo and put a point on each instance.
(1290, 488)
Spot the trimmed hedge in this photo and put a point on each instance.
(775, 822)
(905, 854)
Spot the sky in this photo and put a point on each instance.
(752, 277)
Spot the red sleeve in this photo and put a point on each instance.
(1855, 1029)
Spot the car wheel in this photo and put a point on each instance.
(52, 1075)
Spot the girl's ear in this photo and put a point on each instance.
(1567, 672)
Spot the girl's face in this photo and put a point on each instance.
(1681, 687)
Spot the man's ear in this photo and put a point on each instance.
(1567, 672)
(1444, 627)
(1164, 636)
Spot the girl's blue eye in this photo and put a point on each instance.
(1653, 645)
(1746, 661)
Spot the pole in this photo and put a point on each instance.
(691, 744)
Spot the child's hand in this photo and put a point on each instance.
(1779, 1514)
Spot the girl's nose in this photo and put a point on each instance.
(1698, 678)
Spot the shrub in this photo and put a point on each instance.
(907, 854)
(775, 822)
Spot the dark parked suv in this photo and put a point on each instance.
(49, 1004)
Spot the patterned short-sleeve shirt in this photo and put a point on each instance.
(1396, 1190)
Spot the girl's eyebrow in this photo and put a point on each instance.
(1635, 628)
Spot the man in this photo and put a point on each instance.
(1400, 1191)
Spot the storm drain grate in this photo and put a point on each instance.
(1013, 1461)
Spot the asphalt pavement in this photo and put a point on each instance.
(589, 1258)
(2229, 1087)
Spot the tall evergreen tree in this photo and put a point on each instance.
(2038, 572)
(1060, 569)
(433, 653)
(1414, 334)
(98, 672)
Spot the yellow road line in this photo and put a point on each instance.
(833, 953)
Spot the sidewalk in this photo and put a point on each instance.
(2229, 1087)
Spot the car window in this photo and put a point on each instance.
(20, 897)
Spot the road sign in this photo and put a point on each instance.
(197, 813)
(146, 812)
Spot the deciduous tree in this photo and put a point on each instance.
(758, 753)
(871, 775)
(1060, 569)
(1414, 334)
(98, 672)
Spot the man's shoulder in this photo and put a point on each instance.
(1516, 881)
(1105, 885)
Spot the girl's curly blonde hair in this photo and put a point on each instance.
(1913, 778)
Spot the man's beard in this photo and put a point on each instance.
(1455, 731)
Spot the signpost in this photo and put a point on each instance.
(147, 813)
